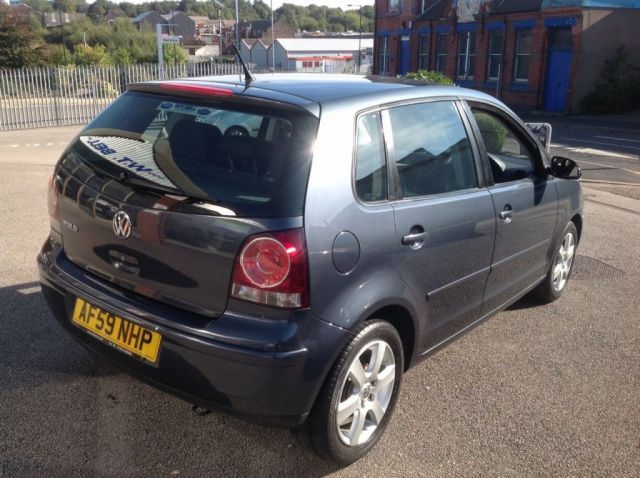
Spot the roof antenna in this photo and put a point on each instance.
(248, 77)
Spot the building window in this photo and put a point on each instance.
(394, 5)
(496, 44)
(441, 58)
(384, 55)
(524, 40)
(466, 54)
(423, 52)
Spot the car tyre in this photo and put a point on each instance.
(555, 282)
(357, 399)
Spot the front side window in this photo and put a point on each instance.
(466, 54)
(384, 55)
(423, 52)
(441, 60)
(496, 44)
(371, 166)
(431, 149)
(511, 158)
(524, 42)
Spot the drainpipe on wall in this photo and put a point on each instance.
(502, 63)
(375, 65)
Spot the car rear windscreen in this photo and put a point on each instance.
(251, 159)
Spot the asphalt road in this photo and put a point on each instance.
(535, 391)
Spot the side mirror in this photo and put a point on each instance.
(564, 168)
(542, 131)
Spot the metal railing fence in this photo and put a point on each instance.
(59, 96)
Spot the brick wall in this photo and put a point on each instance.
(522, 96)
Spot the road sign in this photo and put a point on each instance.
(171, 40)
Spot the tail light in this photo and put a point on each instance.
(52, 203)
(272, 269)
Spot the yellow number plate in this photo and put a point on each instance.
(118, 331)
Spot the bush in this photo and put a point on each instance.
(618, 88)
(433, 77)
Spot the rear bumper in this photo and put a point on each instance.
(268, 370)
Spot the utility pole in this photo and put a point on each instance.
(237, 26)
(64, 50)
(220, 31)
(273, 43)
(359, 62)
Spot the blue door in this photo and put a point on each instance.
(404, 56)
(558, 70)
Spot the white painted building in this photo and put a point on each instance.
(330, 55)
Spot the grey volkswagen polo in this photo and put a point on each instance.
(285, 248)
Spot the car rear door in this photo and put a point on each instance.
(445, 220)
(525, 201)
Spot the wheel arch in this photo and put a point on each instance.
(400, 318)
(577, 220)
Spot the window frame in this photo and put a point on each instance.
(517, 55)
(422, 55)
(354, 160)
(491, 56)
(439, 67)
(518, 128)
(468, 56)
(393, 176)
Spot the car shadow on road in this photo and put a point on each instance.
(527, 302)
(53, 387)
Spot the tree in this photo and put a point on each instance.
(97, 10)
(174, 55)
(262, 10)
(19, 44)
(39, 5)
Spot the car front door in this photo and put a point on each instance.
(445, 220)
(525, 201)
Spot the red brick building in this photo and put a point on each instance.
(532, 54)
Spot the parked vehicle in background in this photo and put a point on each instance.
(292, 274)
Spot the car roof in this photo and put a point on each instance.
(326, 89)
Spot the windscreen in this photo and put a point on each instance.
(252, 160)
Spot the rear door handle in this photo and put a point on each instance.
(415, 240)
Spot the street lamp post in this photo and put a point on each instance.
(359, 62)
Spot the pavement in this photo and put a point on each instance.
(534, 391)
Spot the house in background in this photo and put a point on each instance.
(22, 10)
(148, 20)
(262, 29)
(532, 54)
(178, 23)
(53, 19)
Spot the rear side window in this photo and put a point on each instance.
(371, 166)
(431, 148)
(253, 160)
